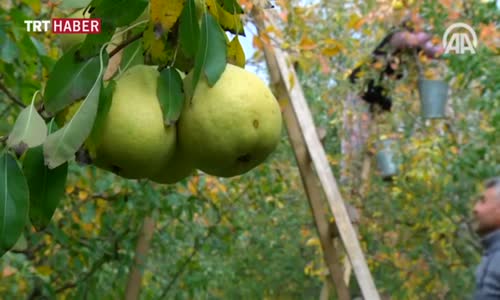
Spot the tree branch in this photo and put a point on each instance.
(143, 244)
(197, 246)
(125, 44)
(14, 99)
(95, 266)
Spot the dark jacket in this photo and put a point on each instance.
(488, 271)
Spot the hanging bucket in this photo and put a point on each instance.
(433, 98)
(386, 159)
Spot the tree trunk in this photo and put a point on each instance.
(141, 250)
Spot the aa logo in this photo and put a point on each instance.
(458, 40)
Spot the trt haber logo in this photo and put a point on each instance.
(65, 25)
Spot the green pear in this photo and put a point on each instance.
(232, 127)
(177, 168)
(134, 142)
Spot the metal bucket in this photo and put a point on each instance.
(386, 159)
(433, 98)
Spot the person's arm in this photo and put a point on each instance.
(491, 283)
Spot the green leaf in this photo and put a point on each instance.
(14, 201)
(67, 4)
(189, 29)
(103, 109)
(232, 6)
(89, 213)
(93, 42)
(46, 186)
(48, 63)
(69, 81)
(212, 54)
(29, 130)
(230, 22)
(62, 145)
(21, 243)
(119, 12)
(40, 48)
(8, 51)
(170, 94)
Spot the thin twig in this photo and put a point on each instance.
(95, 266)
(14, 99)
(95, 196)
(125, 44)
(197, 245)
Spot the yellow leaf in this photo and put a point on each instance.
(307, 44)
(101, 203)
(378, 65)
(283, 102)
(88, 227)
(257, 42)
(355, 22)
(193, 186)
(308, 268)
(228, 21)
(367, 31)
(279, 204)
(304, 64)
(305, 232)
(155, 48)
(165, 13)
(397, 4)
(35, 5)
(44, 270)
(163, 16)
(314, 241)
(70, 189)
(331, 47)
(486, 127)
(75, 217)
(212, 8)
(431, 74)
(222, 187)
(332, 160)
(83, 195)
(235, 53)
(330, 51)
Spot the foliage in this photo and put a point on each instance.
(416, 228)
(253, 237)
(82, 244)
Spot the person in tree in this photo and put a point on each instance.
(487, 215)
